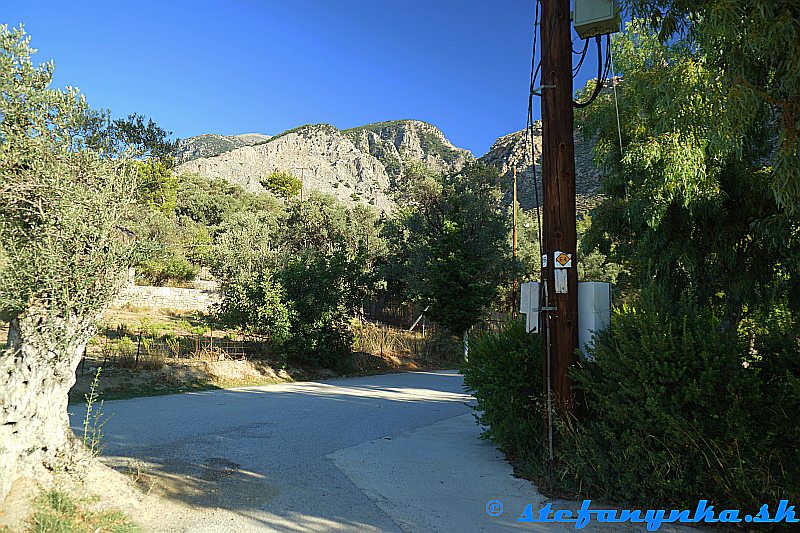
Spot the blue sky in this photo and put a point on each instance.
(240, 66)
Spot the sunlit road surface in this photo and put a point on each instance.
(398, 452)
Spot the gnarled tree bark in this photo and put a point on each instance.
(36, 374)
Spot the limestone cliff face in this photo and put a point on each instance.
(513, 151)
(398, 142)
(209, 145)
(323, 156)
(359, 165)
(364, 164)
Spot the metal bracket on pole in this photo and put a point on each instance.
(538, 90)
(545, 309)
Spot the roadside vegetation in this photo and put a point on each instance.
(151, 352)
(86, 196)
(57, 511)
(693, 391)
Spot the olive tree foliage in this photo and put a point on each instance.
(62, 203)
(245, 243)
(324, 224)
(63, 250)
(325, 291)
(753, 46)
(246, 254)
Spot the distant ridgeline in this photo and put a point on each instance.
(363, 164)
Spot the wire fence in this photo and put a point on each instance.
(391, 311)
(494, 322)
(385, 329)
(144, 350)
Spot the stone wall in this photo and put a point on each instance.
(178, 298)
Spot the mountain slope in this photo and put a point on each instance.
(209, 145)
(513, 150)
(327, 160)
(396, 142)
(364, 164)
(356, 165)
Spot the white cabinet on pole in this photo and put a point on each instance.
(594, 311)
(594, 308)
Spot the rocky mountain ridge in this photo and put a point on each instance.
(364, 164)
(211, 144)
(358, 165)
(397, 142)
(513, 151)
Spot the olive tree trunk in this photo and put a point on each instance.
(37, 370)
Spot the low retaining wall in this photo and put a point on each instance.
(179, 298)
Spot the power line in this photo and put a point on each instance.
(543, 298)
(619, 128)
(529, 124)
(582, 53)
(602, 73)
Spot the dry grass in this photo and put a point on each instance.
(141, 476)
(407, 349)
(156, 352)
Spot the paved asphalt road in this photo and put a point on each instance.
(397, 452)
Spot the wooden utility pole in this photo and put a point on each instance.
(560, 324)
(514, 243)
(302, 182)
(302, 179)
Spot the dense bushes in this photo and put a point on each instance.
(670, 412)
(299, 271)
(299, 275)
(324, 292)
(504, 372)
(448, 242)
(170, 269)
(693, 392)
(675, 411)
(258, 305)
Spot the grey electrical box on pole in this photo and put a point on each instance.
(595, 17)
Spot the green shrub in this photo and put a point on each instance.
(282, 183)
(258, 305)
(673, 416)
(324, 291)
(779, 373)
(504, 372)
(166, 270)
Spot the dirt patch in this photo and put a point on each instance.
(179, 497)
(215, 482)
